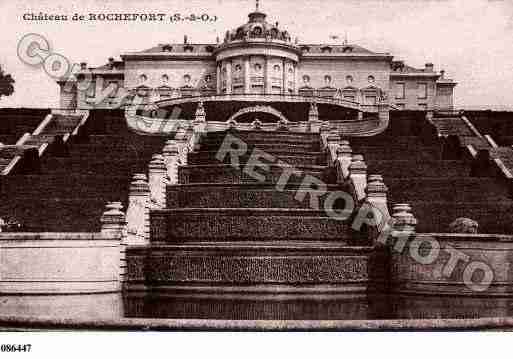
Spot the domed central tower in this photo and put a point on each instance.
(257, 58)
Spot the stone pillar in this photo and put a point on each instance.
(247, 75)
(358, 176)
(332, 142)
(171, 161)
(284, 87)
(344, 157)
(228, 76)
(377, 197)
(296, 79)
(113, 223)
(113, 220)
(313, 118)
(200, 124)
(157, 180)
(404, 222)
(219, 80)
(267, 79)
(138, 211)
(182, 142)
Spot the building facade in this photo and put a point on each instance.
(259, 58)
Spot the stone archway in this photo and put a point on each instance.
(268, 110)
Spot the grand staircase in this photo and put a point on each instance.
(69, 191)
(438, 177)
(225, 230)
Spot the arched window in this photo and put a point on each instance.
(349, 79)
(238, 68)
(306, 79)
(257, 31)
(165, 78)
(327, 80)
(258, 67)
(277, 68)
(187, 79)
(143, 78)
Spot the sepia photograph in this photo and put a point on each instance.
(255, 166)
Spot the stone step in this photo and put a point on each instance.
(254, 263)
(120, 140)
(250, 196)
(62, 186)
(271, 136)
(413, 168)
(240, 174)
(420, 153)
(385, 140)
(266, 147)
(492, 217)
(225, 224)
(55, 215)
(306, 158)
(112, 165)
(446, 189)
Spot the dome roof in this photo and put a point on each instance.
(257, 28)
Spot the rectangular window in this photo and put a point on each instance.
(422, 90)
(400, 90)
(370, 100)
(422, 106)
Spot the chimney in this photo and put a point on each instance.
(83, 66)
(442, 74)
(111, 62)
(429, 67)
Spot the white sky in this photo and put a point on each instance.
(471, 39)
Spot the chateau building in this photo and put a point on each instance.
(260, 58)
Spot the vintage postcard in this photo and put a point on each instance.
(266, 165)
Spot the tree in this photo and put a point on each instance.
(6, 84)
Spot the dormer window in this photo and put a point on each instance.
(209, 48)
(347, 49)
(326, 50)
(188, 48)
(167, 48)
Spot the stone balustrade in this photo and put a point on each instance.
(358, 176)
(65, 263)
(138, 211)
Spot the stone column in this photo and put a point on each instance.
(403, 227)
(113, 220)
(284, 87)
(377, 197)
(332, 142)
(113, 223)
(247, 77)
(157, 180)
(358, 176)
(344, 157)
(296, 79)
(138, 211)
(228, 76)
(182, 142)
(218, 79)
(313, 118)
(404, 221)
(171, 161)
(267, 74)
